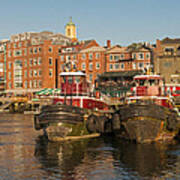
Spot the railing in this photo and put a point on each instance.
(73, 89)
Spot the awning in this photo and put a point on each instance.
(21, 91)
(49, 91)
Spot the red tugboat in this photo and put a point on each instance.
(148, 115)
(66, 117)
(76, 91)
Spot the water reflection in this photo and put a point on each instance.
(26, 155)
(107, 158)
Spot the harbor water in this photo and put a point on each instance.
(25, 154)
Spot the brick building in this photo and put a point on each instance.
(118, 59)
(128, 59)
(2, 65)
(31, 61)
(92, 61)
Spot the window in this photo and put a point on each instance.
(20, 44)
(35, 72)
(68, 58)
(90, 56)
(141, 65)
(35, 61)
(50, 49)
(122, 56)
(117, 66)
(90, 77)
(18, 84)
(17, 52)
(116, 58)
(97, 65)
(40, 72)
(9, 85)
(74, 57)
(90, 66)
(134, 65)
(9, 75)
(50, 72)
(15, 46)
(83, 56)
(25, 63)
(30, 62)
(122, 65)
(25, 73)
(83, 66)
(40, 83)
(9, 54)
(30, 84)
(110, 57)
(59, 50)
(35, 84)
(18, 64)
(35, 50)
(50, 61)
(141, 56)
(147, 56)
(62, 58)
(134, 55)
(69, 32)
(110, 66)
(147, 65)
(39, 61)
(26, 84)
(1, 67)
(97, 55)
(30, 51)
(74, 64)
(9, 65)
(30, 73)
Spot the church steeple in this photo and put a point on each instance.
(70, 30)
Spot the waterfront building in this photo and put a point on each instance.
(31, 61)
(118, 59)
(142, 58)
(92, 61)
(86, 56)
(128, 58)
(3, 64)
(167, 59)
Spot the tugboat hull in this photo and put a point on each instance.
(63, 122)
(145, 123)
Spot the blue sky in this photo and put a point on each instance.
(121, 21)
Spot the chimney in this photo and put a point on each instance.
(108, 43)
(158, 44)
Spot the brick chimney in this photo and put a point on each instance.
(158, 44)
(108, 43)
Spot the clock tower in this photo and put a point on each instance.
(70, 30)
